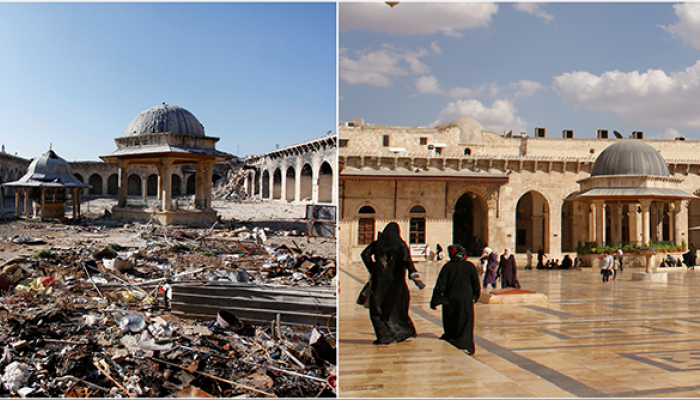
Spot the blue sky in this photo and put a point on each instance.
(255, 75)
(516, 66)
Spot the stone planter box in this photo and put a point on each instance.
(629, 260)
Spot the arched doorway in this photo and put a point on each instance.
(694, 220)
(470, 223)
(134, 185)
(325, 184)
(306, 182)
(532, 223)
(95, 183)
(291, 183)
(113, 185)
(192, 184)
(152, 185)
(277, 185)
(176, 185)
(266, 185)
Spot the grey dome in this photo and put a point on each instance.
(49, 170)
(470, 131)
(165, 118)
(630, 157)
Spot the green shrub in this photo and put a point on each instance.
(44, 253)
(209, 253)
(115, 247)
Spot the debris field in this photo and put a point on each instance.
(95, 308)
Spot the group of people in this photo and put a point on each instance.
(609, 265)
(458, 287)
(495, 268)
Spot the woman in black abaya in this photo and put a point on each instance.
(387, 259)
(457, 289)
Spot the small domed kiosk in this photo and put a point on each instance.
(164, 136)
(630, 188)
(45, 183)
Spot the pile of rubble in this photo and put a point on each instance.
(232, 188)
(91, 320)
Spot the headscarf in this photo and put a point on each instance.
(508, 254)
(487, 251)
(457, 252)
(390, 239)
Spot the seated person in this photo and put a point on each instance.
(669, 262)
(567, 262)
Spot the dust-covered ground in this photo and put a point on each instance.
(284, 223)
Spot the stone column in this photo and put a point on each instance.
(75, 198)
(599, 222)
(590, 218)
(167, 179)
(123, 183)
(676, 217)
(646, 229)
(283, 184)
(26, 202)
(208, 183)
(18, 201)
(159, 167)
(314, 185)
(297, 182)
(144, 188)
(634, 225)
(198, 188)
(616, 222)
(80, 199)
(43, 204)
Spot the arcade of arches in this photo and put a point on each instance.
(300, 173)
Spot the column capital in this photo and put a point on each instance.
(645, 203)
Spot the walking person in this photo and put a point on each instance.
(529, 258)
(508, 270)
(618, 263)
(540, 258)
(456, 290)
(387, 259)
(490, 265)
(606, 266)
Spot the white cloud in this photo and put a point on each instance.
(666, 134)
(522, 88)
(415, 18)
(436, 48)
(428, 84)
(525, 88)
(534, 9)
(649, 98)
(688, 27)
(379, 68)
(499, 117)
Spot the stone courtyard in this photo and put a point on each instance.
(625, 339)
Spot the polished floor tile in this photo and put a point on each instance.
(623, 339)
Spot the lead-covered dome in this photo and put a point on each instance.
(165, 118)
(630, 157)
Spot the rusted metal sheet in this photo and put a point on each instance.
(257, 304)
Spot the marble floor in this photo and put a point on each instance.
(623, 339)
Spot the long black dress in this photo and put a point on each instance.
(458, 284)
(387, 259)
(509, 272)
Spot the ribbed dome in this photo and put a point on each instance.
(51, 168)
(165, 118)
(630, 157)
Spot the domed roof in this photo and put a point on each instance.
(165, 118)
(49, 170)
(470, 131)
(630, 157)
